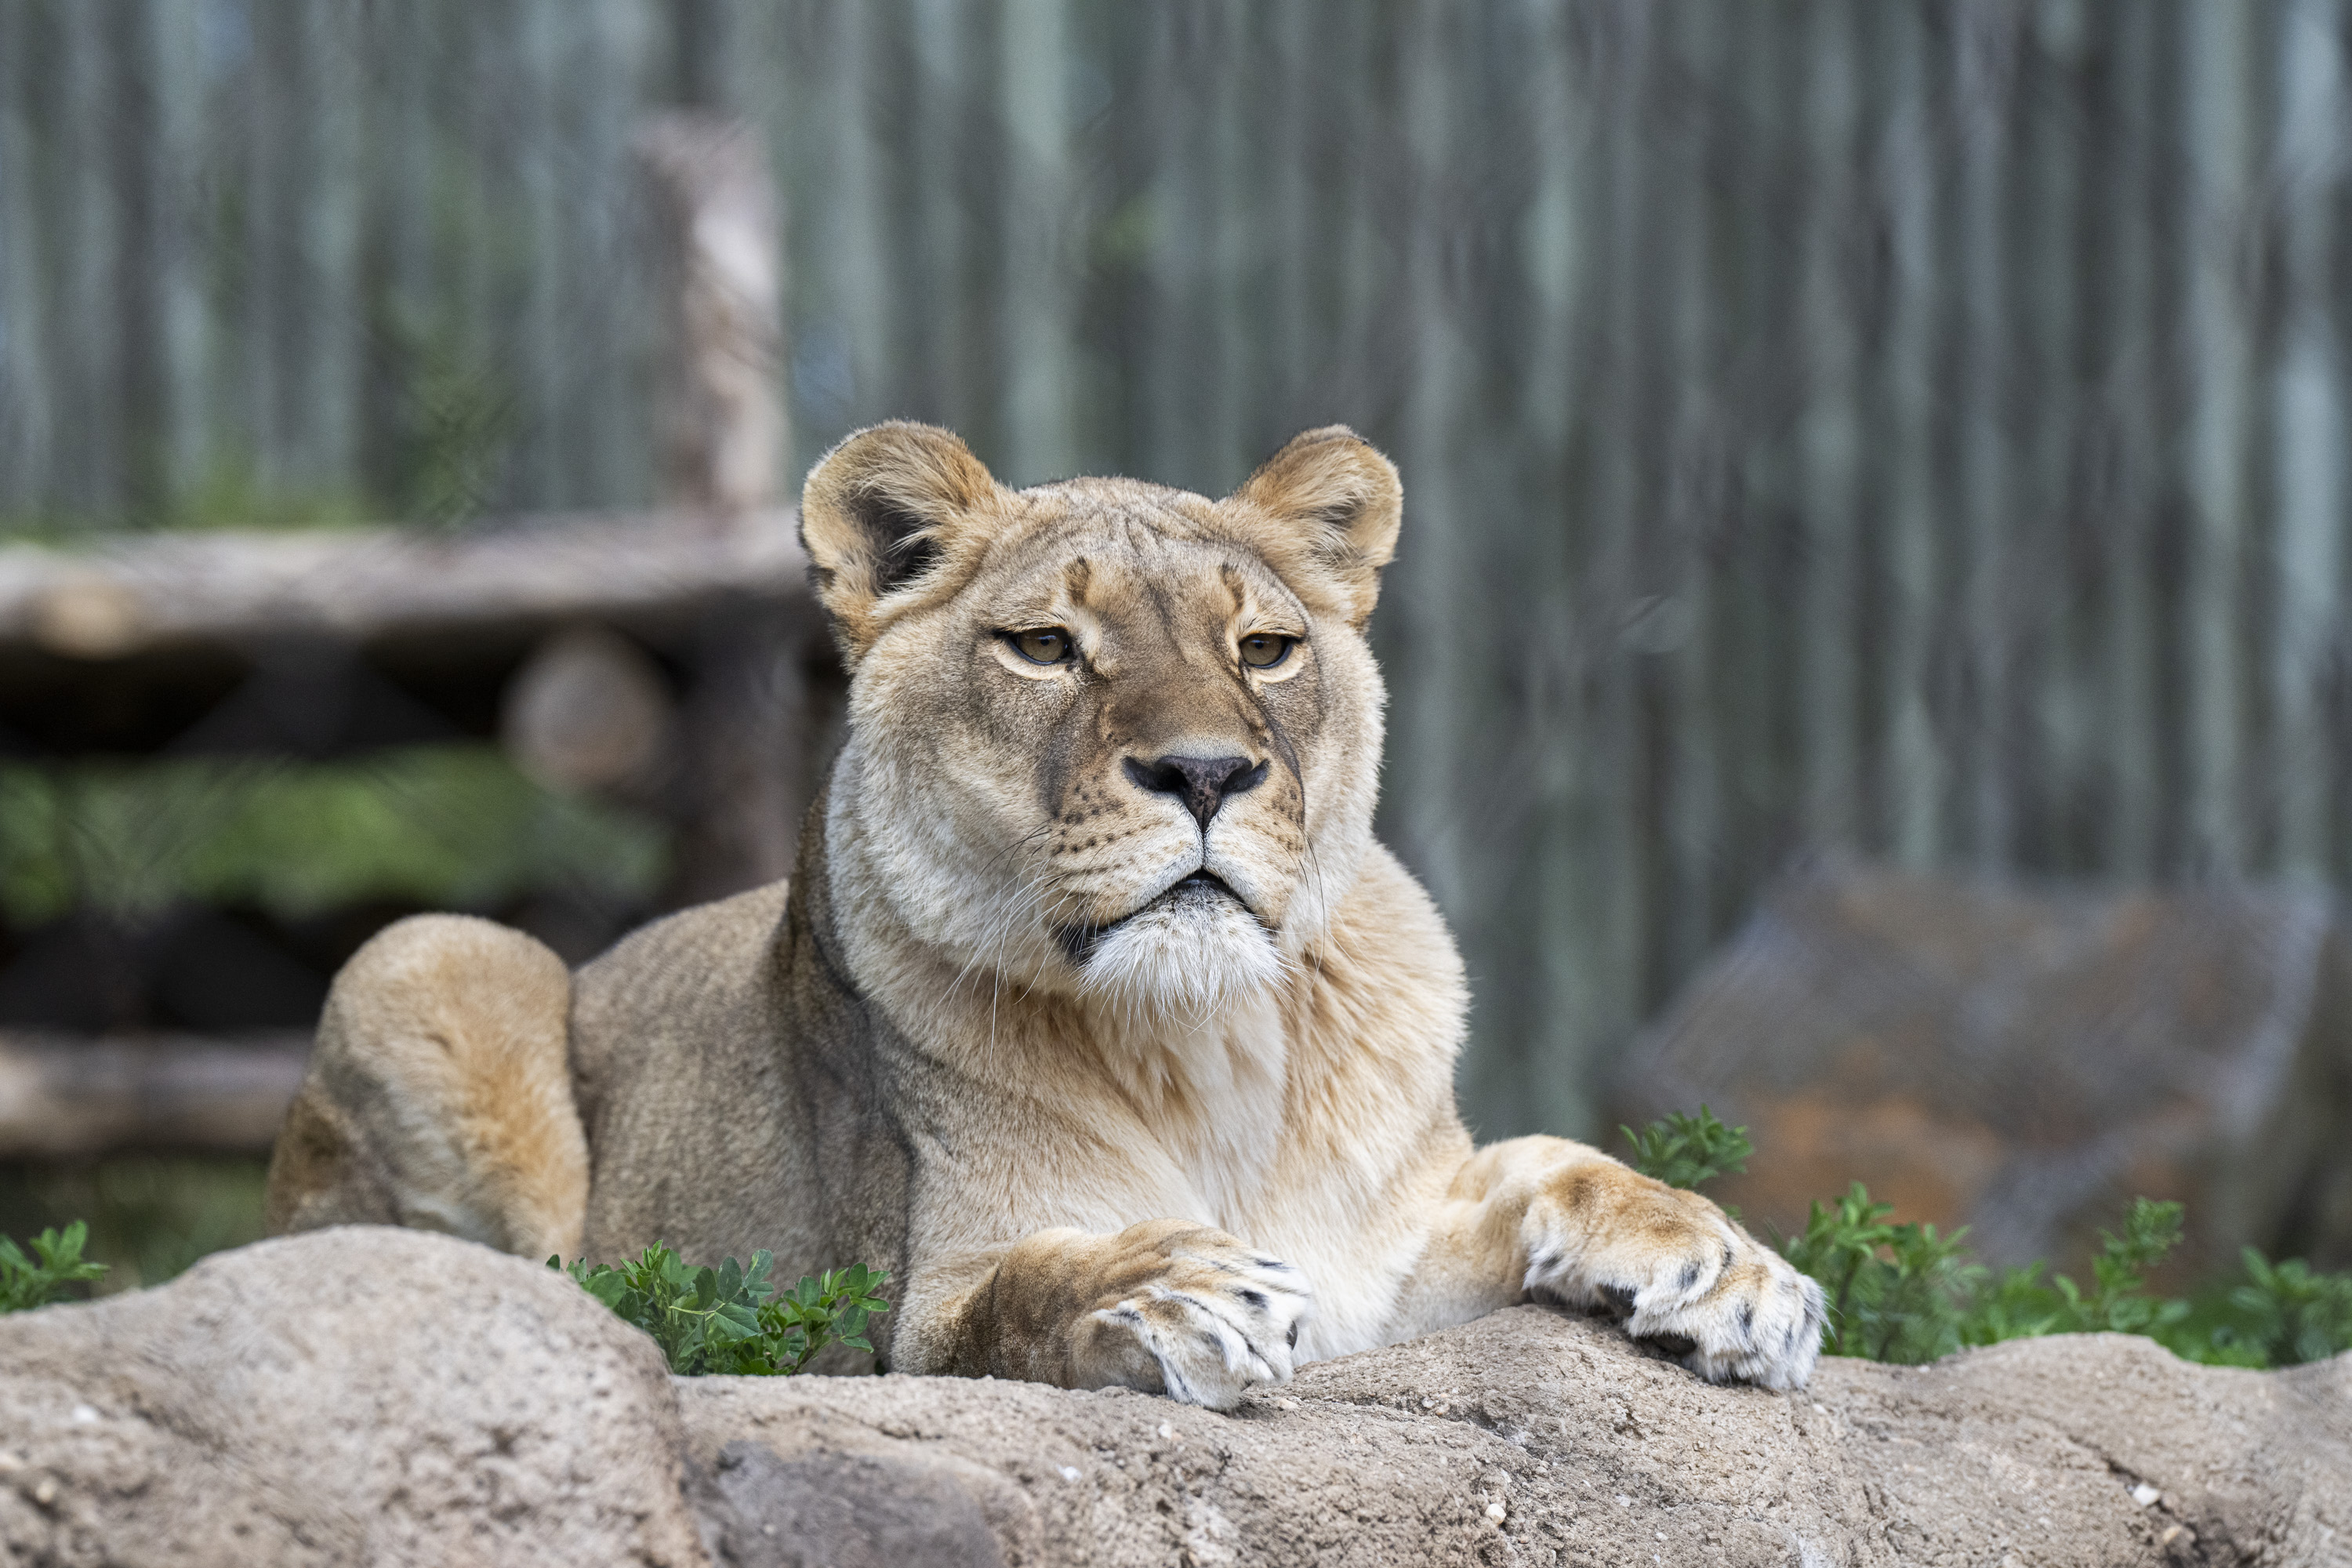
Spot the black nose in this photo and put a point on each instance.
(1201, 783)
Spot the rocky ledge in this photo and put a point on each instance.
(376, 1397)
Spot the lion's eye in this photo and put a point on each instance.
(1048, 645)
(1263, 651)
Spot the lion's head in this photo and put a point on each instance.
(1107, 739)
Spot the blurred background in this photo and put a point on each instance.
(1868, 648)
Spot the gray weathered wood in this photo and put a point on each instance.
(137, 592)
(1950, 395)
(723, 432)
(66, 1097)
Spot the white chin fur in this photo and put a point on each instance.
(1185, 957)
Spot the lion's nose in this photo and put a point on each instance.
(1201, 783)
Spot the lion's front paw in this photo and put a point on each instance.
(1678, 1270)
(1197, 1315)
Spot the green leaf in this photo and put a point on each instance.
(730, 1319)
(1686, 1150)
(57, 1263)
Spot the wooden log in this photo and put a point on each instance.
(138, 592)
(723, 433)
(64, 1096)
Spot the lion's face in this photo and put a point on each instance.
(1106, 738)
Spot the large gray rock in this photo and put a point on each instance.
(2026, 1062)
(373, 1396)
(1535, 1438)
(354, 1396)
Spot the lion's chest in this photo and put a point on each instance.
(1210, 1100)
(1214, 1105)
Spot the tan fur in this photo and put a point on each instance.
(438, 1095)
(1126, 1079)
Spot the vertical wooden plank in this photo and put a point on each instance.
(1612, 915)
(1685, 628)
(268, 297)
(1985, 65)
(2123, 291)
(2309, 560)
(1240, 153)
(2218, 140)
(850, 246)
(794, 107)
(1293, 347)
(1758, 670)
(82, 271)
(1558, 240)
(949, 378)
(537, 158)
(1428, 692)
(323, 362)
(1037, 317)
(402, 131)
(1233, 167)
(1912, 175)
(1870, 275)
(2335, 767)
(1362, 375)
(1829, 432)
(1174, 392)
(177, 70)
(720, 421)
(24, 402)
(605, 306)
(2050, 765)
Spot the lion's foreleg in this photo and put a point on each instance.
(1166, 1305)
(439, 1094)
(1553, 1220)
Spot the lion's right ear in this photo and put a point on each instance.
(879, 515)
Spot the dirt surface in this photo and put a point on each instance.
(280, 1404)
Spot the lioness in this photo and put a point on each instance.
(1093, 1011)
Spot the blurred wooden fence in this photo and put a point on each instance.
(1908, 428)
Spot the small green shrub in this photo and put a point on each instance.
(1905, 1293)
(1897, 1292)
(36, 1281)
(730, 1318)
(1684, 1151)
(2282, 1314)
(2020, 1304)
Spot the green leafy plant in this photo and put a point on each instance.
(1685, 1151)
(57, 1262)
(730, 1318)
(1907, 1293)
(2020, 1305)
(2282, 1314)
(1897, 1292)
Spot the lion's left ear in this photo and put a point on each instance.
(881, 517)
(1329, 506)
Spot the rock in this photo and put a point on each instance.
(827, 1511)
(373, 1397)
(1533, 1437)
(2027, 1063)
(352, 1396)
